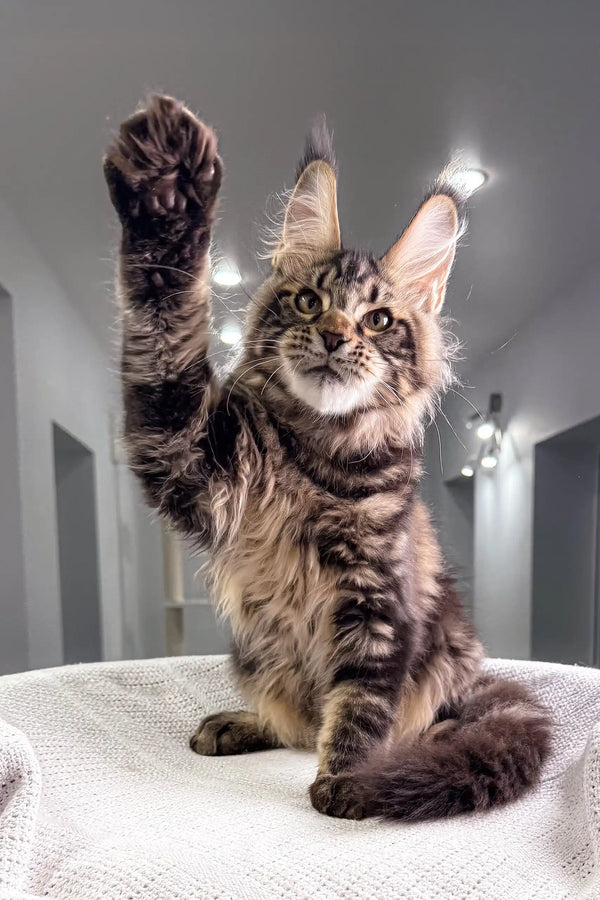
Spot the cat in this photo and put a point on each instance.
(300, 474)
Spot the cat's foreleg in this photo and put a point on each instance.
(371, 652)
(163, 174)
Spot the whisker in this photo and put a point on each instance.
(362, 458)
(439, 409)
(270, 376)
(385, 399)
(392, 391)
(260, 362)
(157, 266)
(440, 446)
(466, 399)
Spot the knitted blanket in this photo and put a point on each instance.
(100, 797)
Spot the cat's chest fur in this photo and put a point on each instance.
(270, 579)
(275, 581)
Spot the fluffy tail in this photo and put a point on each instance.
(491, 754)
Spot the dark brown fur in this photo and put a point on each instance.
(300, 474)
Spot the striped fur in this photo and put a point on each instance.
(300, 474)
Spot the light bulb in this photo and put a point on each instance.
(489, 461)
(467, 470)
(485, 430)
(230, 333)
(228, 276)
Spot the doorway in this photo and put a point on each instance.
(565, 599)
(459, 541)
(77, 548)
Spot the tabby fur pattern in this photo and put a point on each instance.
(300, 475)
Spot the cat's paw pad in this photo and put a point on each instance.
(164, 164)
(339, 796)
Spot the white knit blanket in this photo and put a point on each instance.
(100, 797)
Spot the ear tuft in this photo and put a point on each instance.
(318, 146)
(449, 183)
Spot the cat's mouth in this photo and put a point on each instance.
(323, 372)
(323, 369)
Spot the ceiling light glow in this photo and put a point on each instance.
(230, 333)
(227, 276)
(489, 461)
(467, 181)
(467, 471)
(485, 430)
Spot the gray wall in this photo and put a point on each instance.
(452, 505)
(62, 376)
(141, 570)
(13, 632)
(549, 374)
(142, 584)
(204, 631)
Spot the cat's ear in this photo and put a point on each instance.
(311, 226)
(421, 260)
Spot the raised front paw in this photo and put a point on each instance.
(229, 733)
(163, 167)
(340, 796)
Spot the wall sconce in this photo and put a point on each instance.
(488, 430)
(487, 425)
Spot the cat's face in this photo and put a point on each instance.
(346, 338)
(342, 331)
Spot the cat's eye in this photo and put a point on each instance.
(308, 302)
(378, 320)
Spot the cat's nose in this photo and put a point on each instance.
(332, 341)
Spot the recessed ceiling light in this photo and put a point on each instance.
(230, 333)
(228, 276)
(467, 470)
(467, 181)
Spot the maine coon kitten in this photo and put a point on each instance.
(301, 473)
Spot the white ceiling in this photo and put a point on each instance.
(516, 85)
